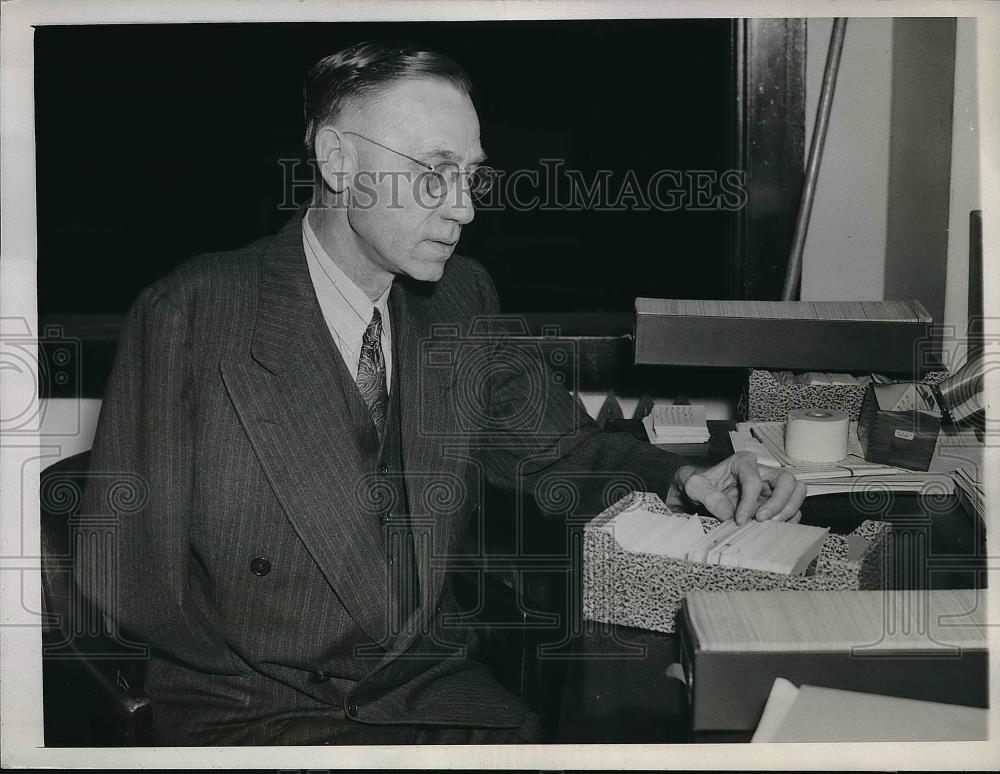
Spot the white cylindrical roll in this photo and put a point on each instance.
(816, 435)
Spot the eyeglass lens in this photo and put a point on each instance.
(444, 176)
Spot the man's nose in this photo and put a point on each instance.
(458, 205)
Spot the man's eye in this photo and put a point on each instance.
(448, 171)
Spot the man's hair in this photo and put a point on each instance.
(365, 69)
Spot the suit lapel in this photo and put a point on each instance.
(412, 317)
(292, 403)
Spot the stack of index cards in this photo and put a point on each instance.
(678, 424)
(769, 546)
(646, 532)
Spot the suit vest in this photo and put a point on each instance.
(383, 492)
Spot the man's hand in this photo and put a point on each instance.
(740, 488)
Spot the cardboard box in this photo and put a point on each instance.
(766, 398)
(899, 425)
(727, 689)
(822, 336)
(646, 590)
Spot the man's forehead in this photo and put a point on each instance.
(429, 116)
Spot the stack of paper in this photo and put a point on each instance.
(960, 454)
(744, 440)
(849, 474)
(904, 481)
(815, 714)
(677, 424)
(768, 546)
(971, 489)
(958, 449)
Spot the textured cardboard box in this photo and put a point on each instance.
(646, 590)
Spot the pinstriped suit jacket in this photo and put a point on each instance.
(229, 400)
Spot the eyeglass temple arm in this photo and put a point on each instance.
(391, 150)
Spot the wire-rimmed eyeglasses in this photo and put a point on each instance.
(438, 179)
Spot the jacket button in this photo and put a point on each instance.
(352, 710)
(383, 469)
(260, 565)
(384, 518)
(319, 677)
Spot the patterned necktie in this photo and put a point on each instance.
(371, 373)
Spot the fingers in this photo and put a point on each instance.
(747, 472)
(700, 488)
(740, 489)
(787, 496)
(733, 493)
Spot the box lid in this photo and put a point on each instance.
(812, 621)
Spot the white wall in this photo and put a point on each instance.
(844, 256)
(965, 186)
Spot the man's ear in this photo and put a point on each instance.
(335, 162)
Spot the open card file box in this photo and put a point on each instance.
(899, 425)
(645, 590)
(928, 645)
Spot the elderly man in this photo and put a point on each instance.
(304, 467)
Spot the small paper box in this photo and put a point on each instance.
(646, 590)
(765, 398)
(899, 425)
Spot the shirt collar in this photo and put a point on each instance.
(356, 298)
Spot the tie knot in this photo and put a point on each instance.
(374, 330)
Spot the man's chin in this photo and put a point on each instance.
(427, 271)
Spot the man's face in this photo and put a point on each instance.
(396, 227)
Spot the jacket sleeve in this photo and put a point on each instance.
(566, 462)
(133, 557)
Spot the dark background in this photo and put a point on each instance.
(159, 142)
